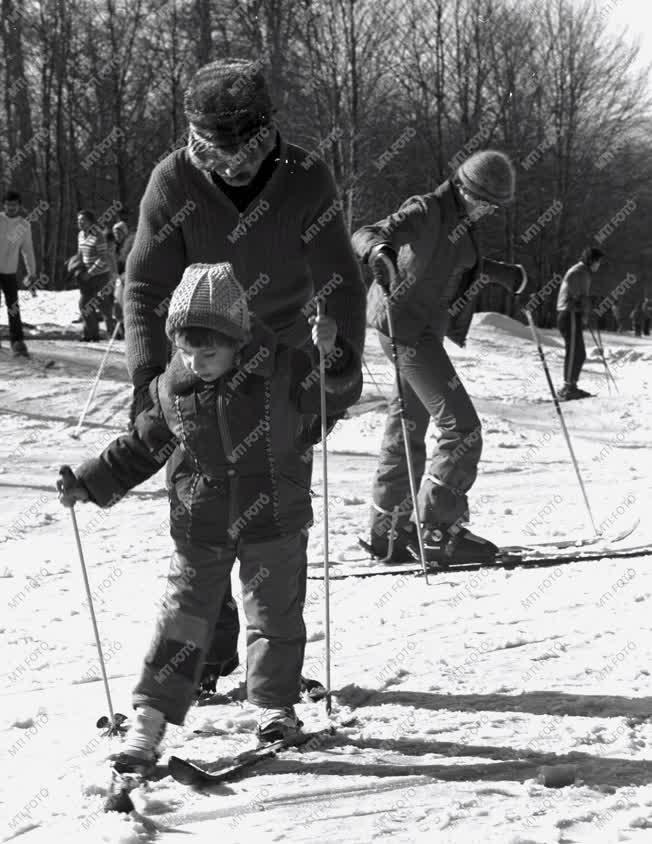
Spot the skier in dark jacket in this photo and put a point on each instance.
(226, 417)
(636, 317)
(427, 253)
(238, 192)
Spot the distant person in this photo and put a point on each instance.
(15, 240)
(636, 317)
(617, 312)
(124, 241)
(646, 313)
(112, 257)
(573, 315)
(95, 277)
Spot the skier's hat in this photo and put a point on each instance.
(488, 175)
(228, 100)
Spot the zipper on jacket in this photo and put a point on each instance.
(232, 474)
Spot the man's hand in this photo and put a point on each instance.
(70, 489)
(324, 332)
(382, 261)
(141, 399)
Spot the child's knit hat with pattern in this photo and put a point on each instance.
(209, 296)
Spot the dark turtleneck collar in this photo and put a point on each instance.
(241, 197)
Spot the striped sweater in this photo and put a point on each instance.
(93, 252)
(289, 244)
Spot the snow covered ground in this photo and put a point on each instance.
(448, 697)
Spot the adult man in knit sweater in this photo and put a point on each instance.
(239, 193)
(15, 238)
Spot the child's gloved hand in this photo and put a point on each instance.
(70, 489)
(324, 332)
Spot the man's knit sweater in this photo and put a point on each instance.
(289, 244)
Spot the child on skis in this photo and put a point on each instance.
(226, 417)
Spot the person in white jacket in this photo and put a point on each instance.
(15, 239)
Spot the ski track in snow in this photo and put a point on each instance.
(448, 698)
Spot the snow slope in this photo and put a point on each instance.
(448, 697)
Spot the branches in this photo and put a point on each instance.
(412, 88)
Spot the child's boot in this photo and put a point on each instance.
(276, 724)
(140, 751)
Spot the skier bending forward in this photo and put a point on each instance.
(226, 415)
(427, 255)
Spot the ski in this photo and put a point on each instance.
(582, 542)
(511, 560)
(188, 773)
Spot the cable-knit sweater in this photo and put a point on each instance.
(287, 246)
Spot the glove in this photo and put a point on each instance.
(382, 261)
(141, 399)
(71, 489)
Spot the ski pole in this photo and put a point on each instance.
(404, 428)
(324, 475)
(91, 395)
(608, 373)
(535, 336)
(116, 719)
(375, 383)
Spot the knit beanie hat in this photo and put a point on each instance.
(488, 175)
(229, 100)
(209, 296)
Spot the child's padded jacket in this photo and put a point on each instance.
(237, 465)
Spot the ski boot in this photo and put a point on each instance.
(571, 392)
(454, 544)
(140, 751)
(278, 724)
(137, 760)
(392, 548)
(211, 673)
(206, 692)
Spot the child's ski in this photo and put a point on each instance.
(188, 773)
